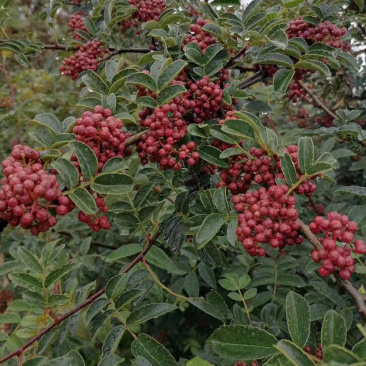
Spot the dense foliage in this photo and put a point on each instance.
(183, 183)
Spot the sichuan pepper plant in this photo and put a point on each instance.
(183, 183)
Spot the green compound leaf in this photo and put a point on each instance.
(334, 330)
(86, 157)
(295, 355)
(209, 228)
(112, 183)
(242, 342)
(83, 199)
(68, 172)
(49, 121)
(147, 312)
(147, 347)
(298, 318)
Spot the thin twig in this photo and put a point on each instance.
(257, 77)
(135, 138)
(243, 69)
(317, 100)
(158, 190)
(19, 352)
(232, 59)
(359, 299)
(75, 48)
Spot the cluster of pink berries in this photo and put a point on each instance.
(307, 187)
(166, 127)
(199, 36)
(318, 352)
(241, 363)
(324, 121)
(76, 23)
(268, 216)
(326, 32)
(335, 228)
(205, 98)
(147, 10)
(101, 131)
(86, 58)
(242, 172)
(96, 222)
(301, 118)
(295, 92)
(28, 192)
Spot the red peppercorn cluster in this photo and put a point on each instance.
(76, 23)
(301, 118)
(6, 297)
(192, 12)
(147, 10)
(86, 58)
(199, 36)
(296, 92)
(319, 209)
(268, 216)
(205, 99)
(103, 133)
(96, 222)
(307, 187)
(242, 171)
(166, 128)
(326, 32)
(324, 121)
(335, 228)
(28, 192)
(241, 363)
(318, 352)
(228, 115)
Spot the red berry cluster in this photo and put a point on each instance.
(205, 98)
(326, 32)
(86, 58)
(324, 121)
(199, 36)
(103, 133)
(28, 192)
(241, 363)
(268, 216)
(335, 228)
(319, 209)
(242, 172)
(76, 23)
(296, 92)
(318, 352)
(307, 187)
(301, 118)
(229, 115)
(96, 222)
(6, 297)
(166, 127)
(147, 10)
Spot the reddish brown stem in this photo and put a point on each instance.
(19, 352)
(135, 138)
(359, 299)
(158, 190)
(237, 55)
(317, 100)
(75, 48)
